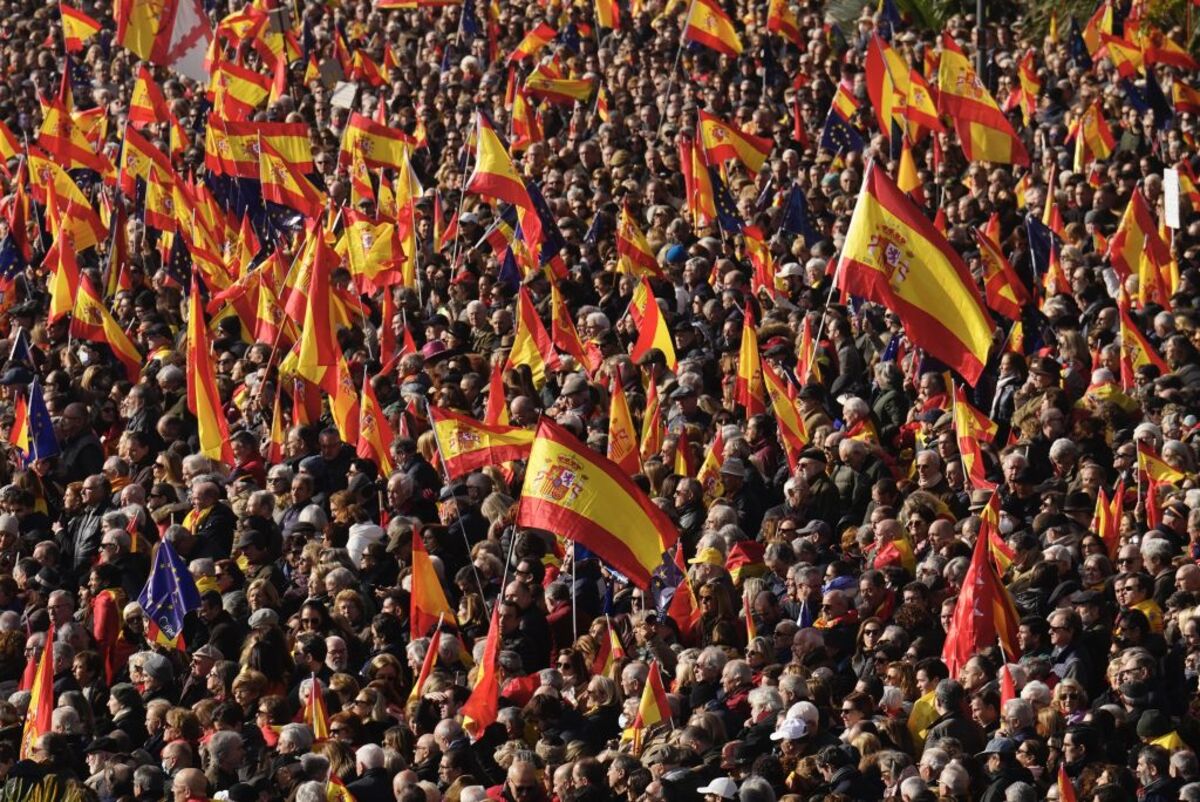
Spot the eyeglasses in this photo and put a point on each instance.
(362, 701)
(313, 621)
(524, 789)
(1126, 560)
(109, 546)
(564, 666)
(871, 631)
(845, 711)
(1069, 695)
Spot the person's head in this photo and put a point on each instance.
(521, 782)
(189, 784)
(1153, 763)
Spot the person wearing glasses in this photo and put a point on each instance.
(522, 784)
(1070, 660)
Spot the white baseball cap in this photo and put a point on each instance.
(722, 787)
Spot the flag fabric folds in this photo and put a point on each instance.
(574, 492)
(709, 25)
(38, 717)
(169, 595)
(91, 320)
(428, 603)
(894, 256)
(983, 131)
(467, 444)
(202, 397)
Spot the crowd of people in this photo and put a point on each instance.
(825, 579)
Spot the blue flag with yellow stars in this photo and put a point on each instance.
(169, 595)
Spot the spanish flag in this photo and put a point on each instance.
(429, 605)
(971, 426)
(1126, 56)
(496, 411)
(558, 90)
(653, 331)
(781, 19)
(983, 131)
(1162, 50)
(563, 334)
(526, 124)
(708, 24)
(1031, 85)
(792, 433)
(533, 43)
(1136, 350)
(495, 177)
(1136, 237)
(1105, 525)
(90, 320)
(579, 494)
(622, 437)
(237, 91)
(203, 400)
(374, 432)
(698, 188)
(726, 142)
(634, 255)
(759, 254)
(1185, 98)
(898, 93)
(608, 14)
(531, 344)
(1093, 138)
(652, 425)
(427, 664)
(77, 27)
(894, 256)
(653, 708)
(1099, 24)
(1003, 290)
(315, 715)
(282, 183)
(466, 444)
(41, 700)
(379, 145)
(748, 388)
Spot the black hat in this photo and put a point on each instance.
(1046, 366)
(17, 374)
(452, 491)
(683, 391)
(102, 744)
(811, 391)
(1087, 597)
(158, 330)
(1078, 501)
(814, 454)
(1153, 724)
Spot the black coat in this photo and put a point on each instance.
(214, 535)
(959, 727)
(373, 786)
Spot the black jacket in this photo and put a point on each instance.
(373, 786)
(959, 727)
(214, 535)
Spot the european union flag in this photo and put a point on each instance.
(11, 261)
(889, 19)
(1041, 239)
(20, 352)
(727, 213)
(1163, 110)
(471, 26)
(41, 442)
(1077, 48)
(839, 136)
(169, 595)
(795, 217)
(552, 238)
(510, 274)
(596, 230)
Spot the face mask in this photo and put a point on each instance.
(1191, 674)
(1006, 526)
(623, 721)
(167, 768)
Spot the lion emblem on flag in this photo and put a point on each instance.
(887, 247)
(463, 440)
(561, 482)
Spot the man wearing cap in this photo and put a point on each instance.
(686, 410)
(1043, 375)
(459, 515)
(720, 788)
(1000, 762)
(195, 686)
(823, 500)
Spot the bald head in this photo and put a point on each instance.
(189, 783)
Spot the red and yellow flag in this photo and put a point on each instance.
(653, 331)
(708, 24)
(467, 444)
(1002, 288)
(495, 177)
(1136, 239)
(983, 131)
(532, 346)
(900, 96)
(1136, 350)
(282, 183)
(608, 14)
(203, 400)
(748, 387)
(374, 432)
(894, 256)
(622, 437)
(533, 42)
(482, 707)
(634, 255)
(792, 432)
(90, 320)
(1093, 138)
(971, 426)
(652, 425)
(379, 145)
(653, 708)
(579, 494)
(724, 141)
(781, 19)
(41, 700)
(563, 334)
(427, 664)
(315, 714)
(77, 27)
(428, 603)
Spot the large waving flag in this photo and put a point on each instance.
(169, 595)
(901, 98)
(709, 25)
(574, 492)
(315, 714)
(983, 131)
(497, 179)
(466, 444)
(90, 320)
(1092, 135)
(1136, 350)
(429, 606)
(726, 142)
(203, 399)
(374, 432)
(378, 145)
(782, 19)
(563, 334)
(38, 717)
(971, 426)
(984, 612)
(894, 256)
(282, 183)
(748, 388)
(622, 437)
(533, 43)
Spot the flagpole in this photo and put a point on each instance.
(462, 194)
(662, 120)
(837, 271)
(574, 577)
(437, 442)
